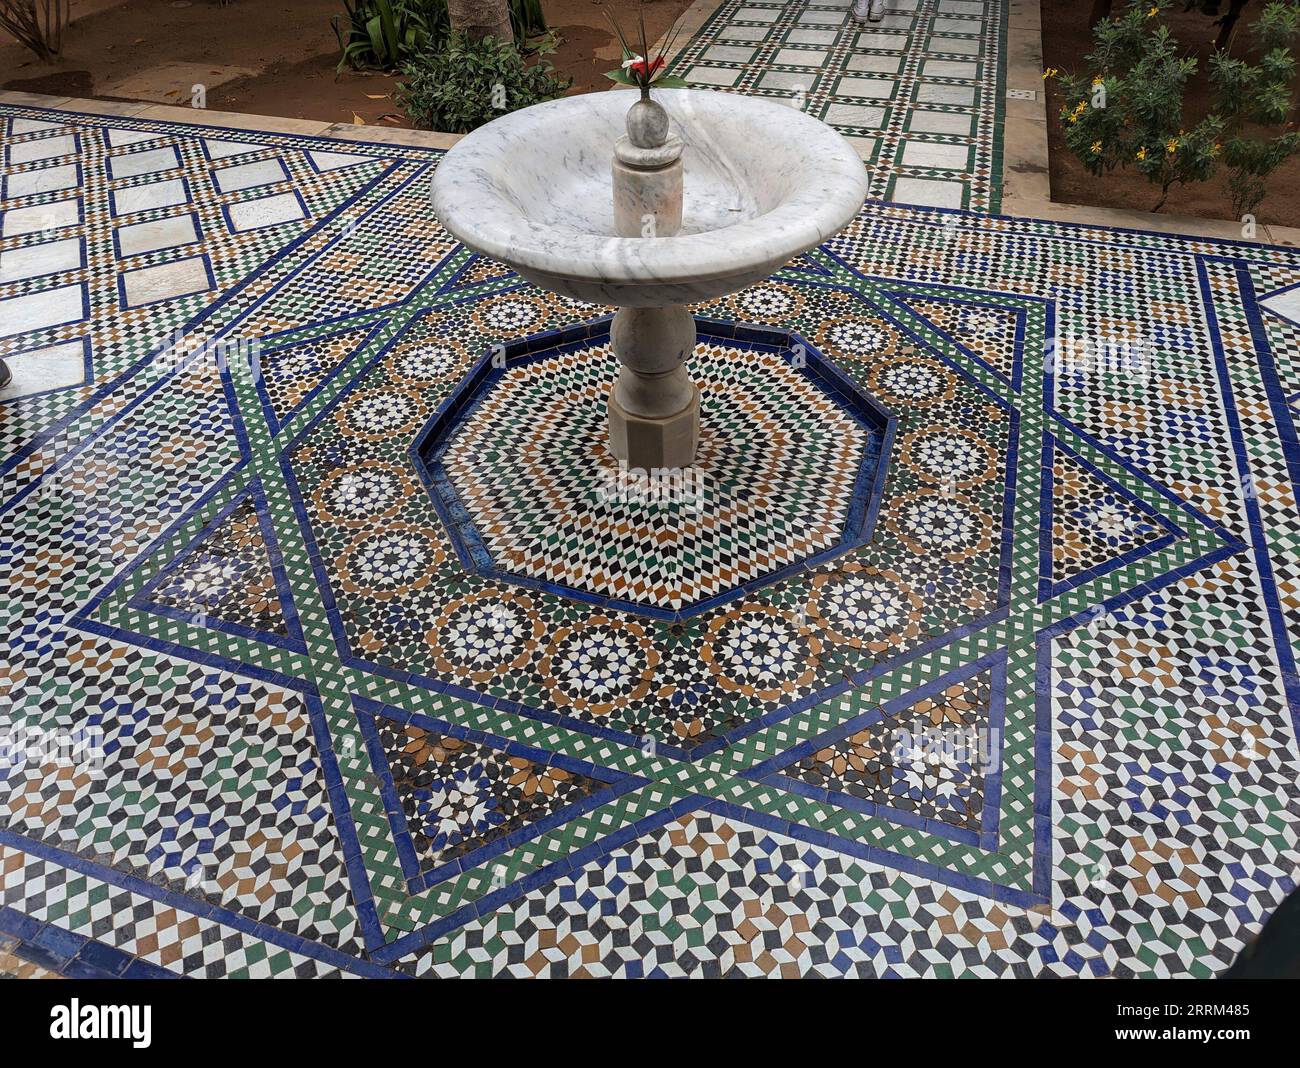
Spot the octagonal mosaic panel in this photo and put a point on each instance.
(418, 591)
(789, 468)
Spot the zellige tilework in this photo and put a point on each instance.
(919, 93)
(999, 680)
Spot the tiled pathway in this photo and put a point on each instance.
(920, 93)
(293, 685)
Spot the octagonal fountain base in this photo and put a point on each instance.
(791, 460)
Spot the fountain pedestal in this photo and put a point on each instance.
(763, 182)
(654, 407)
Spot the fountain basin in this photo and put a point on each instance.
(762, 183)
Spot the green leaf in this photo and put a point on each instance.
(670, 81)
(620, 76)
(374, 27)
(392, 41)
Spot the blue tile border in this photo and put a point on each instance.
(72, 955)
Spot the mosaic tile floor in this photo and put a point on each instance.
(1012, 692)
(919, 93)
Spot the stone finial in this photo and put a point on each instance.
(647, 123)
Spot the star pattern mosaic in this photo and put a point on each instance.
(772, 620)
(928, 760)
(452, 792)
(261, 718)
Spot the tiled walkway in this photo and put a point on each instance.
(325, 654)
(920, 93)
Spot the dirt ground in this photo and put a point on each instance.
(272, 58)
(1066, 40)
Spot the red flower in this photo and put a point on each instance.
(641, 72)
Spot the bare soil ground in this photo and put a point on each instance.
(1066, 40)
(272, 58)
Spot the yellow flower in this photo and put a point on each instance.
(1096, 148)
(1153, 12)
(1097, 81)
(1171, 146)
(1051, 72)
(1216, 149)
(1142, 152)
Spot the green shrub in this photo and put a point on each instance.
(36, 24)
(1253, 97)
(527, 19)
(1129, 111)
(467, 83)
(384, 34)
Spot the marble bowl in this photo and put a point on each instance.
(762, 182)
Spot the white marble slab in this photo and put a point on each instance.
(42, 148)
(41, 370)
(35, 311)
(117, 137)
(249, 175)
(32, 261)
(219, 149)
(138, 238)
(333, 161)
(265, 211)
(38, 217)
(164, 281)
(153, 195)
(147, 161)
(22, 126)
(44, 180)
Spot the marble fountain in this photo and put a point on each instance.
(683, 196)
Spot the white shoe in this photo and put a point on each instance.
(861, 11)
(877, 11)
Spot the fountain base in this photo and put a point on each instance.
(647, 443)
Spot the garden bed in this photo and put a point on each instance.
(1067, 38)
(272, 58)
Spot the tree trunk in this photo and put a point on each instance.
(481, 18)
(1228, 24)
(1100, 10)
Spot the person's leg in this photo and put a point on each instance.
(877, 10)
(861, 11)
